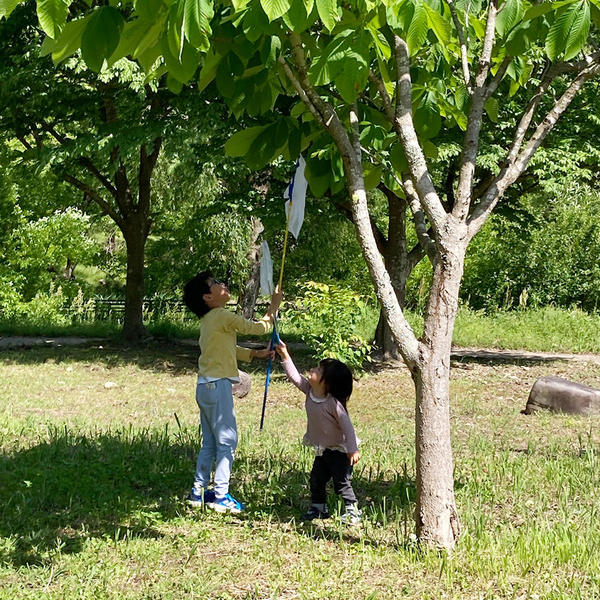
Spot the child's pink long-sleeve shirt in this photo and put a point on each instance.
(328, 424)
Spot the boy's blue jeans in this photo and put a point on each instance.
(219, 435)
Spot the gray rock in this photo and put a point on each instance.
(242, 388)
(561, 395)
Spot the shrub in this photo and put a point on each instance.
(328, 317)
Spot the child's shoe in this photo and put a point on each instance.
(315, 512)
(352, 515)
(204, 498)
(226, 504)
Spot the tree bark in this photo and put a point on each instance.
(135, 233)
(437, 517)
(396, 262)
(250, 293)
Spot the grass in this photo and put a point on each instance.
(92, 481)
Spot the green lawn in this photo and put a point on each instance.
(92, 481)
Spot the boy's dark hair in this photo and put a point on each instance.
(194, 291)
(338, 379)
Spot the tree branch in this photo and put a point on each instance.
(513, 170)
(521, 130)
(303, 95)
(464, 54)
(25, 143)
(91, 167)
(495, 82)
(92, 193)
(424, 234)
(385, 97)
(474, 123)
(404, 127)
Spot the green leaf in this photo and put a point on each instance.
(328, 12)
(430, 150)
(101, 36)
(440, 26)
(399, 15)
(296, 18)
(182, 66)
(372, 176)
(255, 23)
(522, 38)
(209, 69)
(427, 119)
(510, 14)
(569, 31)
(196, 19)
(239, 5)
(173, 84)
(491, 108)
(381, 43)
(579, 31)
(67, 43)
(545, 7)
(417, 30)
(330, 62)
(267, 145)
(132, 35)
(239, 143)
(595, 14)
(275, 8)
(7, 6)
(148, 9)
(398, 158)
(151, 38)
(52, 15)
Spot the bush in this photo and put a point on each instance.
(328, 316)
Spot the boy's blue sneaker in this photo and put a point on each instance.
(202, 499)
(226, 504)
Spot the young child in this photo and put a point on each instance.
(330, 431)
(217, 370)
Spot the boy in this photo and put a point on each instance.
(217, 369)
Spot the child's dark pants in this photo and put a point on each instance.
(335, 465)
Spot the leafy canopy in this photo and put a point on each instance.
(240, 46)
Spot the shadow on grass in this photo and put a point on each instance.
(119, 485)
(164, 356)
(275, 489)
(72, 487)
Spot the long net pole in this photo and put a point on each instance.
(274, 334)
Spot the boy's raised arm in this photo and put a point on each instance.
(276, 299)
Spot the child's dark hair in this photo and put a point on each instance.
(338, 379)
(194, 291)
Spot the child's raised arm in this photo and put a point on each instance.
(276, 299)
(290, 368)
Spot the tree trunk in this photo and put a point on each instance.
(69, 270)
(250, 293)
(135, 233)
(396, 262)
(436, 516)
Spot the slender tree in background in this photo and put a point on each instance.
(378, 82)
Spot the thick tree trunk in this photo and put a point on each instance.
(437, 517)
(250, 293)
(135, 235)
(397, 264)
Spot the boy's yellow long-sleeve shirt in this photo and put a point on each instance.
(219, 351)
